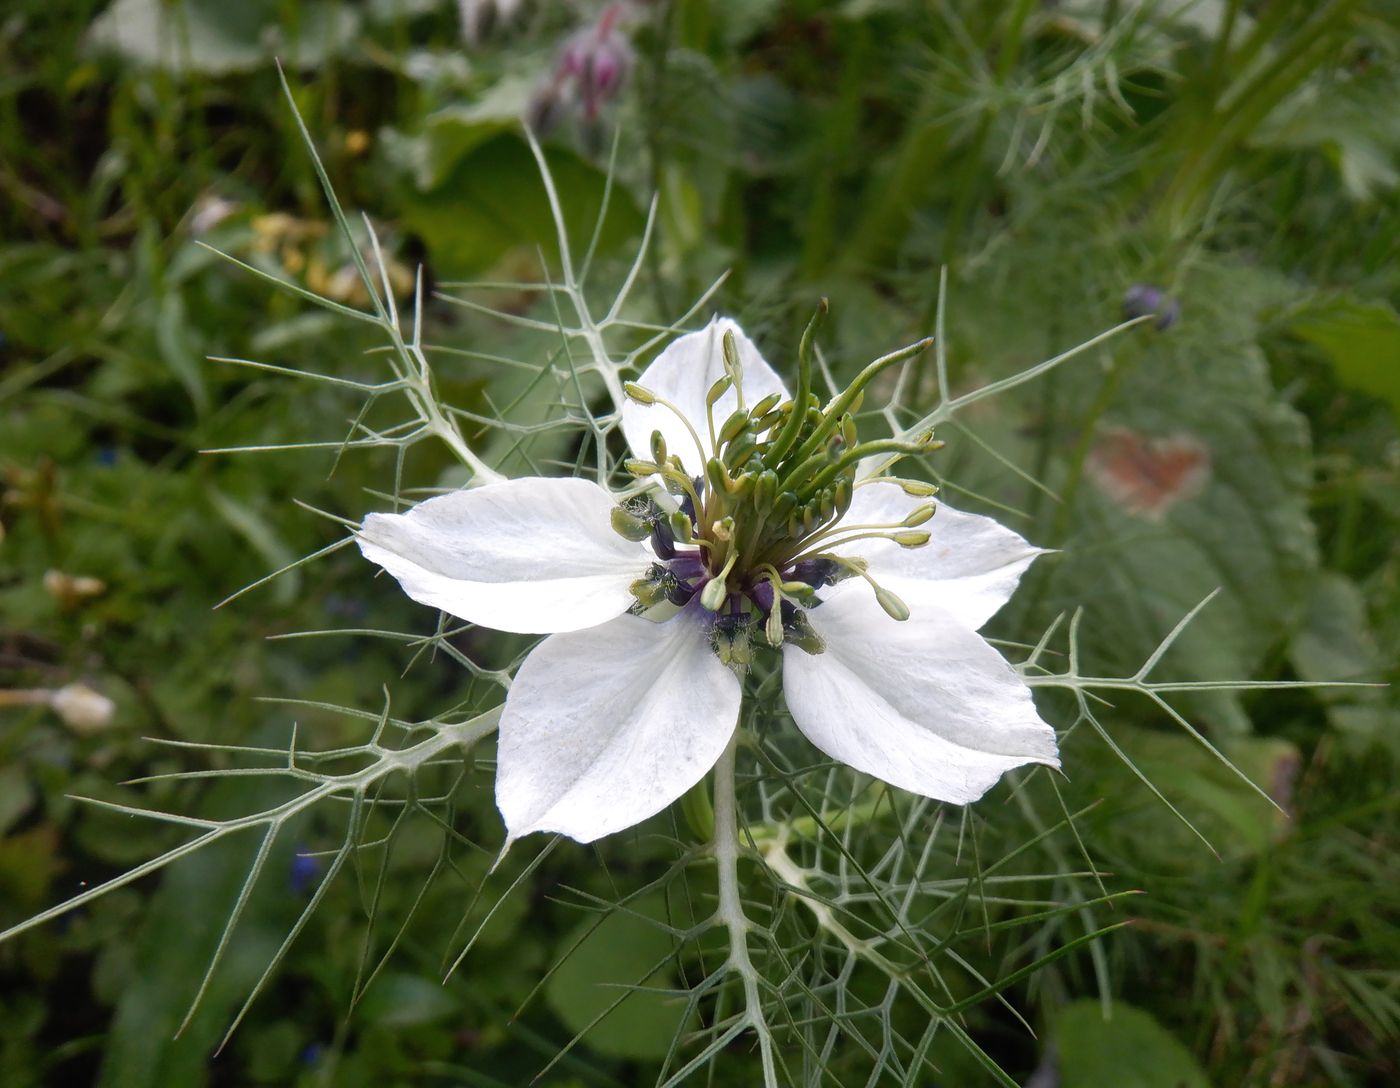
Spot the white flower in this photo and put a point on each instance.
(618, 713)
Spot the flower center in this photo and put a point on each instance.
(761, 530)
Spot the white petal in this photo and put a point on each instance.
(926, 705)
(969, 567)
(683, 374)
(531, 555)
(604, 728)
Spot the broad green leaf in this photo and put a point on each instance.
(16, 795)
(402, 1000)
(622, 951)
(492, 201)
(1352, 120)
(217, 38)
(181, 931)
(1193, 418)
(1231, 816)
(1130, 1050)
(1360, 339)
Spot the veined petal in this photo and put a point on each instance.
(683, 374)
(532, 555)
(606, 727)
(926, 705)
(969, 567)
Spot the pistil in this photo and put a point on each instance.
(767, 509)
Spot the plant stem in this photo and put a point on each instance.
(731, 907)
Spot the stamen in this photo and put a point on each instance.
(732, 367)
(643, 395)
(893, 606)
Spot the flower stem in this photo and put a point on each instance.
(731, 907)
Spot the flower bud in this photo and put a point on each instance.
(82, 709)
(1142, 300)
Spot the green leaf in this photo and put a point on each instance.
(16, 795)
(1130, 1050)
(1360, 339)
(492, 201)
(1233, 818)
(403, 1000)
(622, 951)
(1352, 120)
(217, 38)
(1202, 387)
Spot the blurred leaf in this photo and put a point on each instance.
(255, 529)
(1351, 119)
(1360, 339)
(181, 931)
(492, 200)
(1233, 818)
(217, 38)
(1335, 642)
(1131, 1050)
(403, 1000)
(1243, 528)
(622, 951)
(16, 795)
(28, 864)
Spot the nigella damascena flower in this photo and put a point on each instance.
(751, 529)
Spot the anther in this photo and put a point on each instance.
(919, 515)
(640, 393)
(628, 525)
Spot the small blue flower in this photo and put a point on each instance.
(304, 870)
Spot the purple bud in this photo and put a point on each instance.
(1142, 300)
(305, 868)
